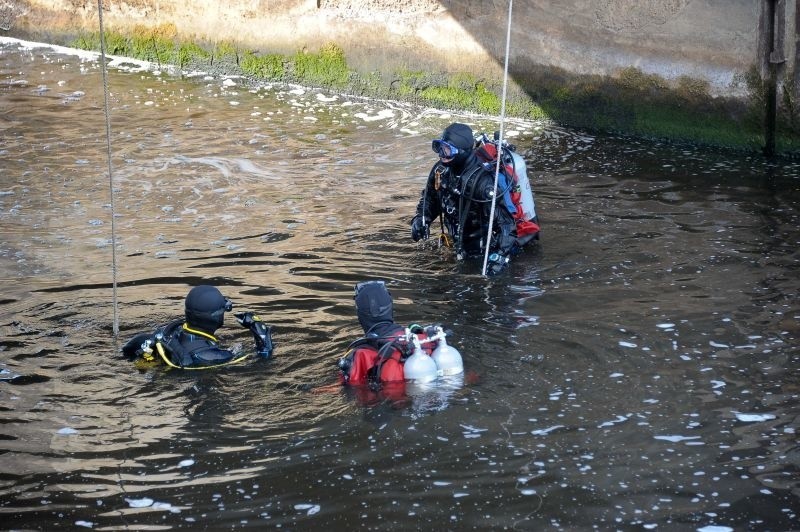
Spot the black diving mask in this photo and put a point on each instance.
(220, 312)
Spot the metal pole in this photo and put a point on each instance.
(115, 326)
(500, 140)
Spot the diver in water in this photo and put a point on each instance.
(460, 190)
(389, 354)
(190, 343)
(376, 356)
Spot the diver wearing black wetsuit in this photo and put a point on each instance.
(190, 342)
(460, 188)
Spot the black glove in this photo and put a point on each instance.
(245, 319)
(419, 229)
(262, 333)
(497, 264)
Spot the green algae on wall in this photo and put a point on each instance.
(646, 105)
(631, 103)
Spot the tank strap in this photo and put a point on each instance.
(464, 203)
(386, 353)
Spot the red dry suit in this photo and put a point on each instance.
(384, 354)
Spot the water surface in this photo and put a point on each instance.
(635, 370)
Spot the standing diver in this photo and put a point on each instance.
(460, 190)
(190, 343)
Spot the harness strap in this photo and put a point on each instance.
(169, 335)
(199, 333)
(384, 345)
(463, 207)
(168, 362)
(164, 357)
(384, 354)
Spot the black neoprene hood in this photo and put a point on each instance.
(205, 308)
(374, 305)
(459, 135)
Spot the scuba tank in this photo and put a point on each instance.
(526, 192)
(447, 358)
(515, 168)
(419, 367)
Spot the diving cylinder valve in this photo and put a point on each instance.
(419, 367)
(447, 358)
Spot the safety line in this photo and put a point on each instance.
(115, 327)
(500, 140)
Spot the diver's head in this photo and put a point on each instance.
(455, 145)
(373, 304)
(205, 308)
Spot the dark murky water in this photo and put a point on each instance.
(637, 370)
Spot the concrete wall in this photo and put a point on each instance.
(712, 40)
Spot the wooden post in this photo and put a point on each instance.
(774, 30)
(770, 85)
(796, 63)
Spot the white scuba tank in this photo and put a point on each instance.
(448, 359)
(526, 192)
(420, 367)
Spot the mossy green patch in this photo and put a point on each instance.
(225, 52)
(268, 67)
(327, 68)
(116, 44)
(189, 53)
(154, 44)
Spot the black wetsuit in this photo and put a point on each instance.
(179, 345)
(463, 198)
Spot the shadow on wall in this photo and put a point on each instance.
(673, 69)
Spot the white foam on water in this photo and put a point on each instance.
(617, 421)
(676, 438)
(753, 418)
(548, 430)
(308, 508)
(144, 502)
(382, 115)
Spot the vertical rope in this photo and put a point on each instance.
(500, 140)
(115, 326)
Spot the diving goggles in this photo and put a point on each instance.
(363, 284)
(444, 149)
